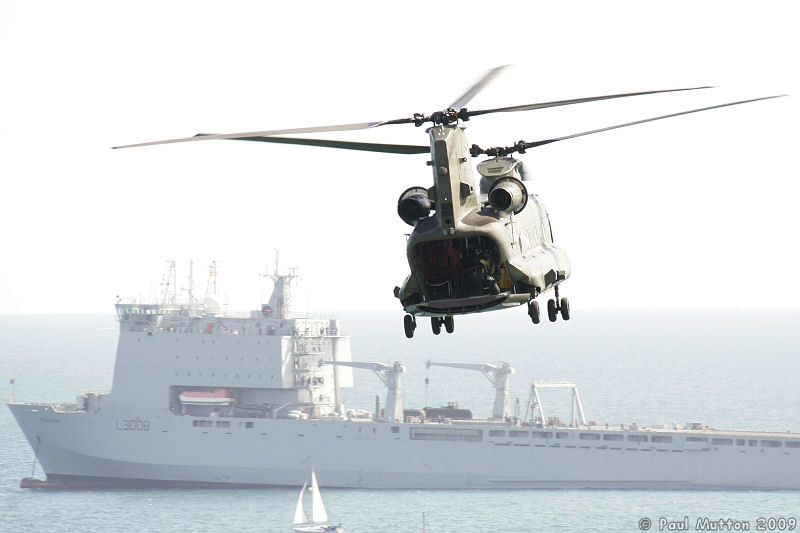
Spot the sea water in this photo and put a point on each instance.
(728, 369)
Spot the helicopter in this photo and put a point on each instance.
(478, 243)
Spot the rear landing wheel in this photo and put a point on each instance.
(436, 324)
(409, 325)
(449, 325)
(564, 308)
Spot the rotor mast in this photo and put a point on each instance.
(390, 376)
(498, 376)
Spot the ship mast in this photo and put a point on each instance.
(190, 290)
(168, 285)
(280, 303)
(211, 284)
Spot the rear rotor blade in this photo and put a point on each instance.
(345, 145)
(557, 103)
(487, 78)
(548, 141)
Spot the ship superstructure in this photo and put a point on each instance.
(194, 361)
(198, 362)
(202, 398)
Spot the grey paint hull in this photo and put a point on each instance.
(90, 449)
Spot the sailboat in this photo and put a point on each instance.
(319, 517)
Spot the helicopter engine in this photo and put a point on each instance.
(414, 205)
(501, 182)
(508, 195)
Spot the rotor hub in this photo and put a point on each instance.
(441, 118)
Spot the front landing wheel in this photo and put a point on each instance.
(533, 311)
(552, 311)
(409, 325)
(449, 325)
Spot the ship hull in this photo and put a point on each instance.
(98, 449)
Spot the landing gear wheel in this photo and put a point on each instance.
(564, 308)
(552, 312)
(449, 325)
(436, 324)
(409, 324)
(533, 311)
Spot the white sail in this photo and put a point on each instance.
(300, 516)
(318, 513)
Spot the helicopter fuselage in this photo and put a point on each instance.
(486, 244)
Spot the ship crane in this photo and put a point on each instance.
(498, 376)
(390, 375)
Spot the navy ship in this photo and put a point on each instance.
(205, 398)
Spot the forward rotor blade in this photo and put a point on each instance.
(313, 129)
(543, 105)
(548, 141)
(345, 145)
(487, 78)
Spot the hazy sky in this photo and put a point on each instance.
(695, 211)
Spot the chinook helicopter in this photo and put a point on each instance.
(477, 244)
